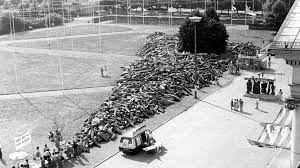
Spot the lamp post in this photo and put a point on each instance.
(195, 19)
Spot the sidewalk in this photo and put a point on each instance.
(211, 135)
(282, 160)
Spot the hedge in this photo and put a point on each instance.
(24, 24)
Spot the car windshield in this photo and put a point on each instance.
(126, 140)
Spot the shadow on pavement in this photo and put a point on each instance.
(80, 160)
(3, 162)
(243, 112)
(263, 111)
(148, 158)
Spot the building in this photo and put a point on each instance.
(286, 45)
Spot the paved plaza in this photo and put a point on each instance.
(210, 135)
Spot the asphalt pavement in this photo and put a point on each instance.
(211, 135)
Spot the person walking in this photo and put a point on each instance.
(241, 105)
(43, 165)
(234, 105)
(75, 148)
(0, 152)
(257, 104)
(237, 105)
(69, 150)
(37, 154)
(46, 148)
(105, 70)
(26, 164)
(231, 104)
(101, 70)
(60, 159)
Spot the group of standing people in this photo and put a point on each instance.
(237, 105)
(76, 148)
(49, 159)
(55, 137)
(234, 67)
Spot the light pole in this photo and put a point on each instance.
(195, 19)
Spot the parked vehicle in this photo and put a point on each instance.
(138, 139)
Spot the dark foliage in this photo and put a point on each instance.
(279, 11)
(212, 14)
(277, 14)
(211, 35)
(5, 24)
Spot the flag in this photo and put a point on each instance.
(249, 12)
(233, 8)
(232, 5)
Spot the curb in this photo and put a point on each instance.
(170, 119)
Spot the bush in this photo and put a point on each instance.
(5, 24)
(212, 35)
(280, 11)
(35, 23)
(23, 25)
(55, 19)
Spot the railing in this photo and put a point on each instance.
(286, 44)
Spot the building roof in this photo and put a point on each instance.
(288, 36)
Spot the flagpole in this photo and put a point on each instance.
(127, 13)
(171, 12)
(116, 11)
(245, 15)
(143, 12)
(231, 15)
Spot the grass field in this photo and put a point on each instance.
(124, 44)
(66, 31)
(114, 44)
(39, 71)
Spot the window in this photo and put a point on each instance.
(138, 140)
(127, 140)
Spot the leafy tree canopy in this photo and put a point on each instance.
(212, 14)
(211, 35)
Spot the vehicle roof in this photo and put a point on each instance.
(135, 131)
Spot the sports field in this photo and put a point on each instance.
(44, 71)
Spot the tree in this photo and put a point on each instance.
(225, 5)
(15, 2)
(212, 14)
(257, 5)
(7, 4)
(212, 35)
(280, 11)
(267, 6)
(288, 3)
(240, 5)
(34, 8)
(5, 26)
(23, 5)
(2, 2)
(55, 19)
